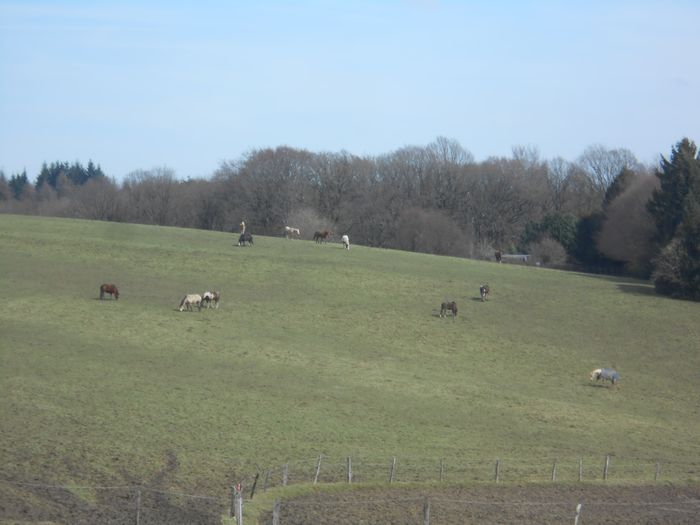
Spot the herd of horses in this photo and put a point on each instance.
(210, 299)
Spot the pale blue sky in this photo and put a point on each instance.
(136, 85)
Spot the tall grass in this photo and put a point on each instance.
(316, 349)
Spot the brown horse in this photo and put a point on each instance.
(111, 289)
(484, 291)
(451, 307)
(322, 236)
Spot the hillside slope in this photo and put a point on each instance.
(318, 350)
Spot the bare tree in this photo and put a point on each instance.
(149, 196)
(98, 199)
(602, 165)
(628, 230)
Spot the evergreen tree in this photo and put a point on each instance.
(18, 183)
(676, 210)
(680, 184)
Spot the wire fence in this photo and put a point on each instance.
(118, 504)
(443, 511)
(108, 505)
(325, 469)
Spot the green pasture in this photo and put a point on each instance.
(318, 350)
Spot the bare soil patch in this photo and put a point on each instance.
(526, 504)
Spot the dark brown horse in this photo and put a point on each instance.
(322, 236)
(111, 289)
(451, 307)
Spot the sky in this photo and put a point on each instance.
(137, 85)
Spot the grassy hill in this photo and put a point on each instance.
(318, 350)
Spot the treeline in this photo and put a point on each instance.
(603, 212)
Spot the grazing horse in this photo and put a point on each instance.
(346, 241)
(111, 289)
(191, 300)
(290, 232)
(606, 374)
(211, 297)
(322, 236)
(484, 291)
(445, 307)
(246, 239)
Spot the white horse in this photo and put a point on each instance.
(191, 300)
(346, 241)
(606, 374)
(211, 297)
(290, 232)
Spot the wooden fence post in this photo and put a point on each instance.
(393, 469)
(554, 471)
(285, 474)
(276, 512)
(658, 471)
(578, 514)
(498, 470)
(607, 467)
(255, 484)
(239, 508)
(318, 468)
(349, 469)
(238, 504)
(580, 469)
(138, 507)
(426, 512)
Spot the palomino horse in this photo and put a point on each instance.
(191, 300)
(484, 291)
(346, 241)
(211, 297)
(290, 232)
(451, 307)
(111, 289)
(605, 374)
(322, 236)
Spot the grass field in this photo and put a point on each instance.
(318, 350)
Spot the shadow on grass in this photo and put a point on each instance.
(637, 288)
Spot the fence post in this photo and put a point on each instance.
(578, 514)
(318, 468)
(276, 512)
(658, 471)
(498, 470)
(349, 469)
(138, 507)
(554, 471)
(255, 484)
(238, 504)
(426, 512)
(607, 466)
(285, 474)
(442, 468)
(393, 469)
(580, 469)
